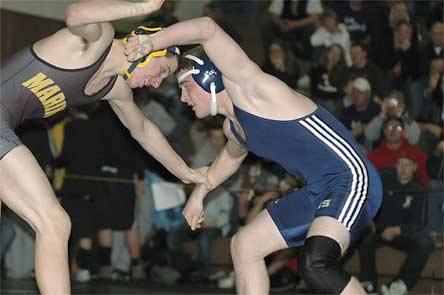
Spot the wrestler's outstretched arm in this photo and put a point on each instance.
(231, 60)
(89, 19)
(152, 140)
(223, 51)
(225, 165)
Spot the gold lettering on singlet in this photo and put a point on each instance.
(37, 83)
(47, 93)
(50, 95)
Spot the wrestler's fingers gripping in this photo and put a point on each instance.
(194, 222)
(131, 47)
(186, 216)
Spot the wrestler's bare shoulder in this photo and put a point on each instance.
(66, 50)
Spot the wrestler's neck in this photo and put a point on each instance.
(116, 62)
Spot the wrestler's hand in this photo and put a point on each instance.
(138, 46)
(193, 211)
(198, 176)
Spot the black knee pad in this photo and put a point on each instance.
(320, 267)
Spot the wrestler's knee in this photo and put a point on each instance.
(320, 267)
(54, 224)
(241, 246)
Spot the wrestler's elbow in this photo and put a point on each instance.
(76, 15)
(73, 13)
(208, 27)
(235, 152)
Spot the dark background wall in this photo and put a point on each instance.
(19, 30)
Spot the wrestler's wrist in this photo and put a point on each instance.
(203, 190)
(184, 173)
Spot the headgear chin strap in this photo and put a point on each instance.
(207, 76)
(145, 60)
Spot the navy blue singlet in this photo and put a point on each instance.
(341, 182)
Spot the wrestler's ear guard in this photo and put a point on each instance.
(207, 76)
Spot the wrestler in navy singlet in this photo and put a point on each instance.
(31, 88)
(341, 182)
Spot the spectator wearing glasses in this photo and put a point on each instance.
(393, 145)
(393, 105)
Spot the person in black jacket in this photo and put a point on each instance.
(400, 57)
(434, 50)
(431, 64)
(400, 225)
(123, 162)
(81, 155)
(99, 154)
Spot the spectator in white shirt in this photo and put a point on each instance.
(332, 33)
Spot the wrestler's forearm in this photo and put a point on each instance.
(193, 31)
(223, 167)
(226, 54)
(148, 135)
(155, 143)
(89, 12)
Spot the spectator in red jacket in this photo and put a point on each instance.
(393, 145)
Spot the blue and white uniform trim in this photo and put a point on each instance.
(359, 188)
